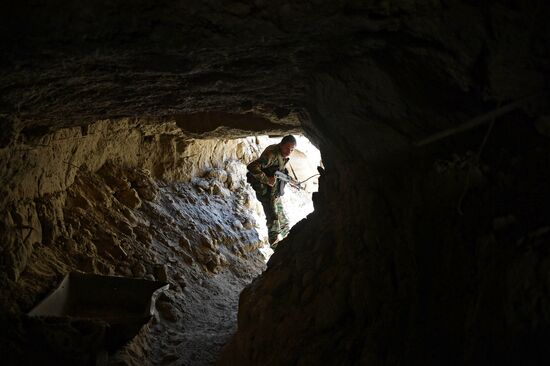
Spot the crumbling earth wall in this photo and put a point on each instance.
(138, 201)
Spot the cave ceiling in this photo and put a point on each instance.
(413, 67)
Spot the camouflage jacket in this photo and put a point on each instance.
(270, 160)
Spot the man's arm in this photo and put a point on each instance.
(256, 169)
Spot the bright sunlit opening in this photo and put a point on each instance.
(302, 166)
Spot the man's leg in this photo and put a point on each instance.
(270, 217)
(281, 218)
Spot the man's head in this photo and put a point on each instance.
(287, 144)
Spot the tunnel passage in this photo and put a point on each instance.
(147, 202)
(415, 254)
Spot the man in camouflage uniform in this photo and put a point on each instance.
(269, 190)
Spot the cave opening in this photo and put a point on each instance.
(429, 243)
(302, 168)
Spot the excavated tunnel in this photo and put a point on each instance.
(126, 127)
(142, 202)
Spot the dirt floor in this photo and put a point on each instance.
(197, 317)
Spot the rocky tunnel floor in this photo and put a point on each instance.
(198, 236)
(207, 235)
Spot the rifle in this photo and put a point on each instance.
(288, 179)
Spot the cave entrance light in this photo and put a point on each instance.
(297, 204)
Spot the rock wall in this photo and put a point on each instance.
(38, 169)
(414, 256)
(426, 261)
(139, 201)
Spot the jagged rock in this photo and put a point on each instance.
(147, 193)
(89, 247)
(129, 215)
(184, 243)
(87, 264)
(250, 201)
(77, 200)
(141, 181)
(236, 174)
(167, 311)
(217, 174)
(20, 230)
(124, 227)
(138, 269)
(141, 178)
(237, 224)
(182, 282)
(260, 3)
(219, 190)
(206, 242)
(71, 246)
(237, 250)
(129, 197)
(50, 214)
(105, 268)
(187, 258)
(212, 263)
(106, 226)
(143, 235)
(248, 223)
(125, 271)
(160, 273)
(118, 252)
(16, 257)
(201, 183)
(112, 176)
(109, 243)
(223, 260)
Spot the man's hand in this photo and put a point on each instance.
(271, 181)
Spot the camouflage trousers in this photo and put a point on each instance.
(277, 222)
